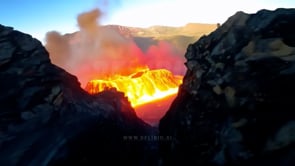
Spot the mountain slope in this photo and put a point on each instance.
(236, 104)
(46, 118)
(178, 37)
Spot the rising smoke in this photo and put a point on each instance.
(100, 51)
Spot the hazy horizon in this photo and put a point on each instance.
(38, 17)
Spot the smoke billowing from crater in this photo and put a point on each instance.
(100, 51)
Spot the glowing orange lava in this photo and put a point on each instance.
(142, 87)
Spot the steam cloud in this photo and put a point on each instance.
(99, 51)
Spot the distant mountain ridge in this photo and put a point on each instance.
(178, 37)
(190, 29)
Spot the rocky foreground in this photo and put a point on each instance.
(47, 119)
(236, 105)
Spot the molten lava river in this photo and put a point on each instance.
(150, 92)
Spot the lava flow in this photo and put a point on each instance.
(141, 87)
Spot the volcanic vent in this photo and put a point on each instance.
(103, 58)
(142, 87)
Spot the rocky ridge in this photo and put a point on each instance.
(236, 104)
(47, 119)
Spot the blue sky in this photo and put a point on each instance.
(37, 17)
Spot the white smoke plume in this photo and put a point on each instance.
(96, 51)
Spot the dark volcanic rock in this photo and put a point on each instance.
(236, 104)
(47, 119)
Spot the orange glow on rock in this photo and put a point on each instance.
(141, 87)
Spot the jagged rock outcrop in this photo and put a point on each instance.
(47, 119)
(236, 105)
